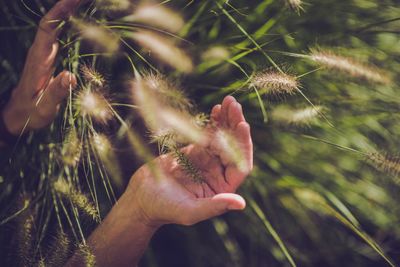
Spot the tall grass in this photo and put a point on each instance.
(318, 194)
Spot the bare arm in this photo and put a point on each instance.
(148, 202)
(122, 237)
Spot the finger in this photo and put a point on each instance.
(49, 25)
(205, 208)
(236, 174)
(57, 90)
(224, 110)
(235, 115)
(39, 67)
(243, 135)
(215, 112)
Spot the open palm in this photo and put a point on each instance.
(177, 197)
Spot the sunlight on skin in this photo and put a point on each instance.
(37, 97)
(148, 202)
(179, 199)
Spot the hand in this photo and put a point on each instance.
(177, 198)
(37, 97)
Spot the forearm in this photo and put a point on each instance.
(121, 239)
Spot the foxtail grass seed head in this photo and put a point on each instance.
(275, 83)
(87, 255)
(216, 53)
(311, 199)
(72, 149)
(349, 66)
(232, 149)
(164, 49)
(60, 249)
(101, 144)
(95, 105)
(103, 148)
(167, 92)
(386, 163)
(296, 5)
(182, 125)
(164, 120)
(298, 117)
(67, 190)
(158, 16)
(92, 76)
(187, 166)
(113, 5)
(26, 240)
(101, 38)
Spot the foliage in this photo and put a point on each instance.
(317, 81)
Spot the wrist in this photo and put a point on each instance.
(134, 207)
(13, 118)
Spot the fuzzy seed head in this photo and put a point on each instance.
(386, 163)
(349, 66)
(158, 16)
(67, 190)
(95, 105)
(296, 5)
(102, 38)
(163, 120)
(216, 53)
(72, 149)
(273, 82)
(232, 149)
(87, 255)
(298, 117)
(167, 92)
(164, 49)
(101, 144)
(187, 166)
(113, 5)
(92, 76)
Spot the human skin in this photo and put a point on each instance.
(149, 202)
(174, 198)
(35, 101)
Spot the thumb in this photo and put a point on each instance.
(206, 208)
(57, 90)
